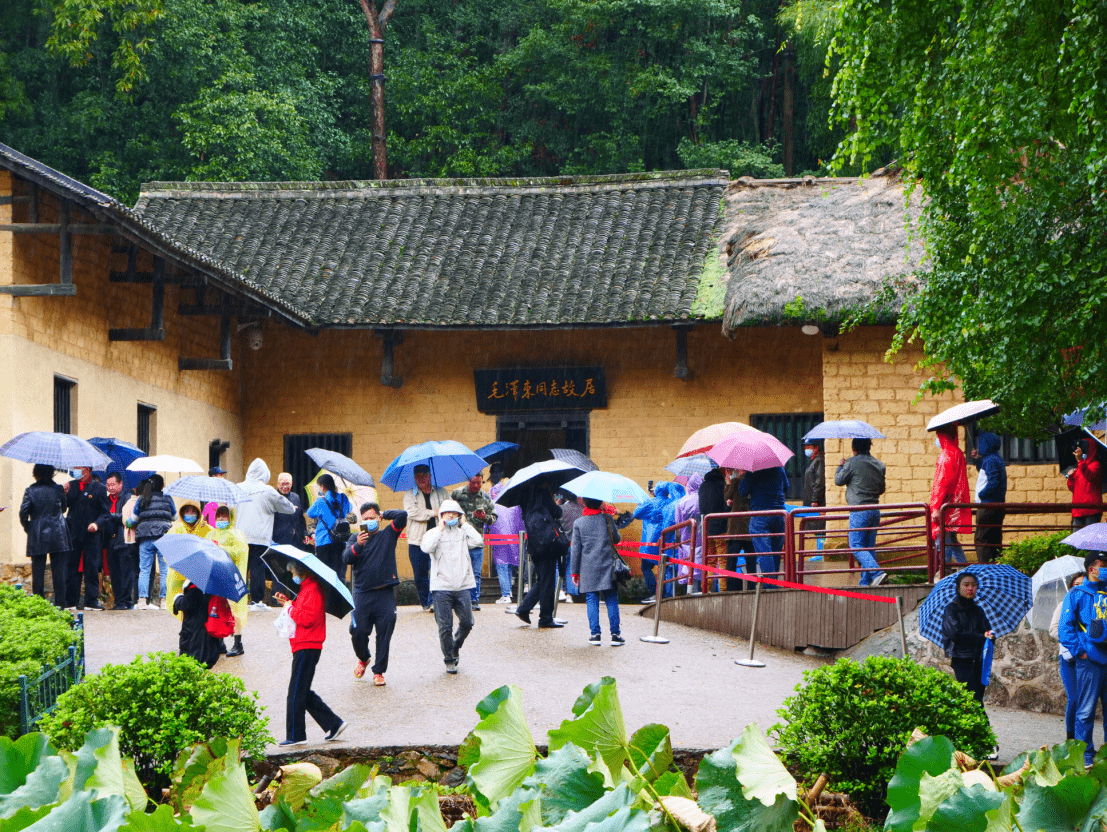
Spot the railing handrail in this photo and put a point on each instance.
(72, 664)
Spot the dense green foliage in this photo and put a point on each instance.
(163, 703)
(1029, 554)
(33, 633)
(852, 721)
(999, 112)
(117, 93)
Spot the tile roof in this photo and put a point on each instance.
(508, 253)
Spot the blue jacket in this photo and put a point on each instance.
(766, 489)
(991, 466)
(651, 513)
(1083, 605)
(328, 510)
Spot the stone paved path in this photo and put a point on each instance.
(691, 684)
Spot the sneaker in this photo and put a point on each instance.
(994, 755)
(649, 600)
(595, 640)
(451, 666)
(287, 743)
(568, 599)
(334, 732)
(506, 599)
(561, 597)
(879, 579)
(378, 680)
(142, 605)
(523, 616)
(617, 640)
(258, 606)
(475, 607)
(359, 669)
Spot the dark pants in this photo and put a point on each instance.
(121, 563)
(969, 672)
(302, 698)
(476, 555)
(375, 610)
(543, 590)
(446, 603)
(420, 570)
(331, 555)
(1086, 520)
(1091, 689)
(86, 551)
(988, 535)
(58, 569)
(257, 572)
(737, 546)
(770, 531)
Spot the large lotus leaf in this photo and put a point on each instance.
(611, 803)
(651, 751)
(24, 817)
(1001, 818)
(325, 803)
(1074, 803)
(98, 766)
(380, 826)
(226, 803)
(626, 819)
(932, 756)
(160, 820)
(500, 751)
(673, 784)
(297, 779)
(366, 810)
(520, 811)
(412, 810)
(721, 795)
(565, 783)
(277, 815)
(84, 811)
(933, 790)
(31, 774)
(193, 768)
(759, 770)
(965, 810)
(598, 727)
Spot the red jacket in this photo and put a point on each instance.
(951, 484)
(310, 616)
(1086, 483)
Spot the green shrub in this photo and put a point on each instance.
(163, 704)
(1028, 555)
(852, 721)
(33, 633)
(740, 158)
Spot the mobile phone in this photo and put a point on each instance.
(364, 527)
(649, 486)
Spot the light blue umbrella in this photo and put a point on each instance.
(203, 563)
(339, 602)
(450, 462)
(340, 464)
(1077, 417)
(843, 429)
(207, 490)
(686, 466)
(1004, 594)
(603, 485)
(62, 450)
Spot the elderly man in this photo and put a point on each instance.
(421, 504)
(87, 502)
(480, 511)
(255, 521)
(290, 529)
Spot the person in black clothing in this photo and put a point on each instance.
(121, 554)
(87, 501)
(713, 501)
(194, 639)
(965, 628)
(40, 514)
(372, 554)
(545, 556)
(290, 528)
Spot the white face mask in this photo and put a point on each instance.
(807, 452)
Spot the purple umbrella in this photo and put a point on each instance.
(1092, 538)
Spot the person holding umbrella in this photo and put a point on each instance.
(190, 522)
(863, 476)
(766, 490)
(965, 628)
(951, 485)
(592, 565)
(87, 503)
(332, 529)
(41, 516)
(422, 504)
(1083, 634)
(451, 577)
(153, 516)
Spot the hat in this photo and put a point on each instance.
(450, 505)
(216, 470)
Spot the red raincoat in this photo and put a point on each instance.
(1086, 483)
(951, 484)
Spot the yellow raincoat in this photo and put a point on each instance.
(233, 542)
(174, 581)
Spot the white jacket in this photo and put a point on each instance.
(451, 567)
(255, 518)
(418, 514)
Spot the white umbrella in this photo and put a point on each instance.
(165, 462)
(964, 412)
(1049, 586)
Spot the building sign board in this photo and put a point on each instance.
(540, 388)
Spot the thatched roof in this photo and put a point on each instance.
(830, 242)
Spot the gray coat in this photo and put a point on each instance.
(591, 554)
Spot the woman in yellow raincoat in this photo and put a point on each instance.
(233, 542)
(189, 522)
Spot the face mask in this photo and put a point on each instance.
(222, 524)
(76, 474)
(371, 525)
(296, 579)
(807, 452)
(453, 521)
(190, 518)
(937, 444)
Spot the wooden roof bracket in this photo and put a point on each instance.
(682, 371)
(156, 330)
(65, 255)
(225, 330)
(390, 338)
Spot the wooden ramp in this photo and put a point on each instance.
(792, 619)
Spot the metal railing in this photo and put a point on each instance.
(711, 543)
(39, 696)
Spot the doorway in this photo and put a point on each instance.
(537, 432)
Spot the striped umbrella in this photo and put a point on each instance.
(1004, 594)
(207, 490)
(685, 466)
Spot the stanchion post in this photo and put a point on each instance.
(751, 661)
(902, 629)
(660, 593)
(510, 609)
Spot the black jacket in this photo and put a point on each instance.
(290, 528)
(115, 535)
(963, 627)
(156, 518)
(814, 482)
(40, 514)
(194, 639)
(375, 563)
(713, 500)
(87, 505)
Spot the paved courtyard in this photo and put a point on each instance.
(691, 684)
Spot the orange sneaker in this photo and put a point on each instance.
(359, 669)
(378, 680)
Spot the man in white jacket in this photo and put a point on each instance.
(255, 521)
(421, 504)
(451, 577)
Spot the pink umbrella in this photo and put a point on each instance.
(707, 438)
(750, 450)
(965, 412)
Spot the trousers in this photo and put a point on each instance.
(374, 610)
(446, 603)
(301, 698)
(86, 554)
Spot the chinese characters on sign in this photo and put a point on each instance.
(543, 388)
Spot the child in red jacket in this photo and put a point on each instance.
(311, 631)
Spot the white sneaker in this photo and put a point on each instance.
(879, 579)
(257, 606)
(505, 599)
(561, 597)
(142, 605)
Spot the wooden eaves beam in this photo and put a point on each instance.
(63, 229)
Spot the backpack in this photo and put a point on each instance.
(543, 532)
(220, 623)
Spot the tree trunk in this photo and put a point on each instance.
(377, 22)
(770, 120)
(788, 115)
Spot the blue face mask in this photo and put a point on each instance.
(222, 524)
(190, 518)
(807, 452)
(76, 474)
(453, 521)
(296, 579)
(371, 525)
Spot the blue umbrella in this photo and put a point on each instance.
(1005, 596)
(62, 450)
(686, 466)
(207, 490)
(496, 451)
(203, 563)
(450, 462)
(1077, 417)
(340, 464)
(603, 485)
(843, 429)
(122, 454)
(340, 601)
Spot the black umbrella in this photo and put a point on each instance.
(519, 487)
(338, 599)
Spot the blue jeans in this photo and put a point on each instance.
(1068, 679)
(1091, 689)
(503, 573)
(611, 600)
(146, 552)
(477, 555)
(952, 549)
(420, 570)
(864, 540)
(774, 542)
